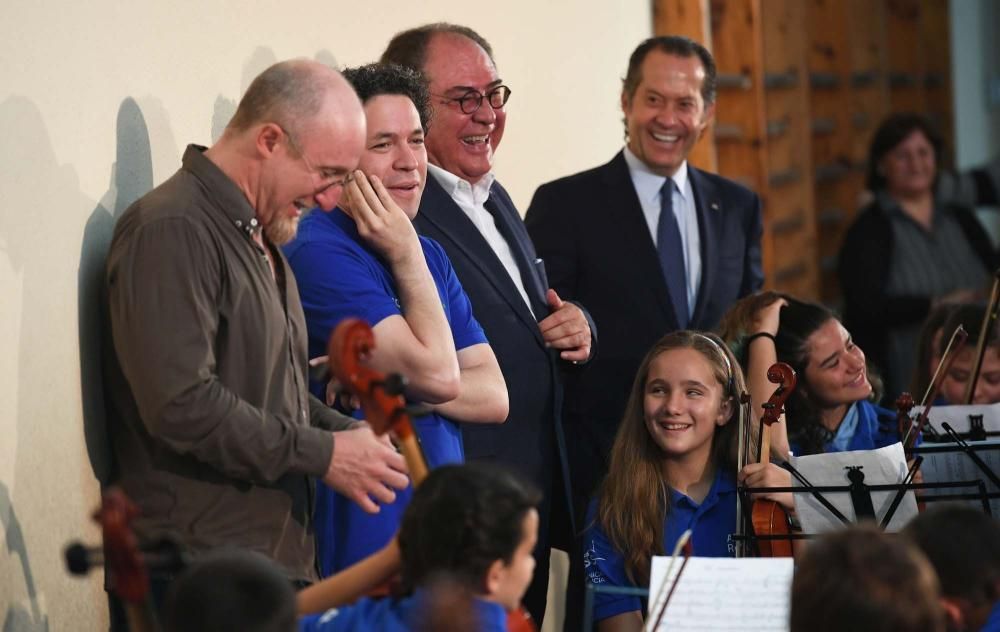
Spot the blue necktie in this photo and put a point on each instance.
(671, 250)
(538, 303)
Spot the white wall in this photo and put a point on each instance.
(98, 100)
(975, 60)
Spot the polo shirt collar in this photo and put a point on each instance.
(723, 484)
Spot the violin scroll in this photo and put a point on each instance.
(904, 404)
(126, 563)
(127, 572)
(784, 376)
(381, 396)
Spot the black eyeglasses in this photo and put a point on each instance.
(471, 101)
(330, 177)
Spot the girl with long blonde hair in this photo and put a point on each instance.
(672, 468)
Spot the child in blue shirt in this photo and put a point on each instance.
(831, 408)
(473, 524)
(672, 468)
(955, 382)
(865, 580)
(963, 545)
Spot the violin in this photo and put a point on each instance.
(385, 409)
(381, 396)
(127, 573)
(769, 518)
(904, 404)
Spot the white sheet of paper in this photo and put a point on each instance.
(950, 467)
(723, 594)
(958, 416)
(885, 466)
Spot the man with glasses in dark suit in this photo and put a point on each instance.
(533, 332)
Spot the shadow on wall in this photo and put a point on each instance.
(39, 195)
(131, 178)
(260, 59)
(327, 58)
(18, 618)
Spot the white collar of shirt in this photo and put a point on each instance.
(461, 190)
(647, 187)
(471, 198)
(648, 184)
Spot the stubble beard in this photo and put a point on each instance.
(282, 230)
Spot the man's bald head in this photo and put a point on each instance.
(292, 93)
(297, 135)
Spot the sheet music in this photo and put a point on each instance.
(947, 467)
(722, 594)
(958, 417)
(881, 467)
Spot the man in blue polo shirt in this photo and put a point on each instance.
(364, 259)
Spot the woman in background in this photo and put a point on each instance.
(905, 251)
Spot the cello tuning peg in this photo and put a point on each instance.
(394, 384)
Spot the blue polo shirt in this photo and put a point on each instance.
(339, 276)
(865, 427)
(396, 615)
(993, 623)
(712, 524)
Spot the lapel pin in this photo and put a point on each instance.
(715, 206)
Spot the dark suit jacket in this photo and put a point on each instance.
(590, 230)
(529, 439)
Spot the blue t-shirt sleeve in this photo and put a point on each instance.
(338, 279)
(465, 329)
(604, 566)
(330, 621)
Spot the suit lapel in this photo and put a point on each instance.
(512, 228)
(624, 202)
(708, 207)
(439, 210)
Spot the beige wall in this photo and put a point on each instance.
(98, 100)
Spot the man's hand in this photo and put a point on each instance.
(566, 329)
(381, 223)
(364, 465)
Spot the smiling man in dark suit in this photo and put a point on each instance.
(648, 243)
(532, 331)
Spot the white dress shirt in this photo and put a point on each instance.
(647, 187)
(471, 198)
